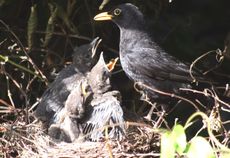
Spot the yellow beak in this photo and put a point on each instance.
(103, 16)
(112, 64)
(83, 88)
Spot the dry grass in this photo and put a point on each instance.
(21, 140)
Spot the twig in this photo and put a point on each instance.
(206, 119)
(58, 33)
(5, 103)
(5, 59)
(166, 94)
(160, 120)
(226, 110)
(8, 91)
(206, 94)
(3, 41)
(107, 143)
(104, 2)
(33, 106)
(22, 92)
(199, 58)
(140, 154)
(25, 52)
(72, 36)
(29, 83)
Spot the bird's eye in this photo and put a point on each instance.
(117, 11)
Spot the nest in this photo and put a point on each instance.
(30, 140)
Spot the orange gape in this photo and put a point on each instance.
(112, 64)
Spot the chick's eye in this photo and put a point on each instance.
(117, 12)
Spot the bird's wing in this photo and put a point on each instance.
(74, 103)
(105, 111)
(53, 99)
(159, 65)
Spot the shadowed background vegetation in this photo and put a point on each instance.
(37, 37)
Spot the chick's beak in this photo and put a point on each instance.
(112, 64)
(103, 16)
(95, 43)
(83, 88)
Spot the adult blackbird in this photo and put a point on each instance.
(142, 59)
(54, 98)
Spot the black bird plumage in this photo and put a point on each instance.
(142, 59)
(89, 107)
(68, 79)
(105, 110)
(105, 107)
(66, 126)
(80, 117)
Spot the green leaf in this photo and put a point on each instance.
(200, 148)
(224, 154)
(179, 138)
(167, 146)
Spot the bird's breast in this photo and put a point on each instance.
(128, 65)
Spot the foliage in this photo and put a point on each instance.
(174, 143)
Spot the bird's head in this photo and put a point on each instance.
(125, 16)
(99, 76)
(84, 55)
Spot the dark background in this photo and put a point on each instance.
(49, 30)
